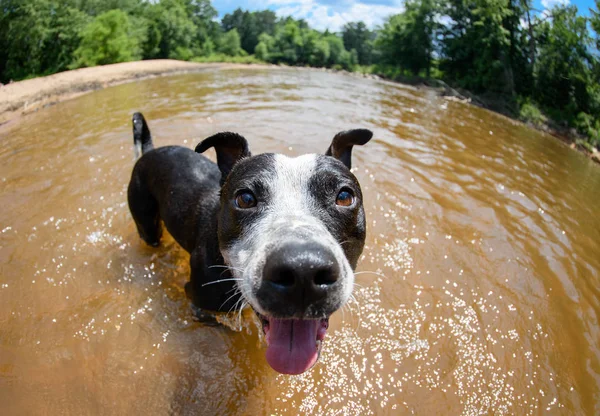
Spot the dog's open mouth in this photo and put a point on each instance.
(293, 345)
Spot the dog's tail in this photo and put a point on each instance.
(142, 139)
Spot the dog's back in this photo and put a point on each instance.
(175, 184)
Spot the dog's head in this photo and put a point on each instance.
(292, 230)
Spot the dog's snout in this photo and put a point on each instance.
(301, 273)
(303, 266)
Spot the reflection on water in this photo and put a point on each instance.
(477, 293)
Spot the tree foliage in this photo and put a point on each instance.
(358, 37)
(294, 43)
(107, 39)
(406, 40)
(563, 67)
(231, 44)
(250, 25)
(38, 36)
(476, 44)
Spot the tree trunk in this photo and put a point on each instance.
(531, 37)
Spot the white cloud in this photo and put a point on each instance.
(549, 4)
(444, 20)
(333, 17)
(523, 23)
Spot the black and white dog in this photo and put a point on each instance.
(279, 233)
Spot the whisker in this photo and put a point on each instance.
(230, 268)
(353, 299)
(226, 300)
(234, 306)
(241, 299)
(244, 303)
(222, 266)
(219, 281)
(232, 309)
(357, 314)
(349, 306)
(235, 287)
(369, 272)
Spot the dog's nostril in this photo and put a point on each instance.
(282, 276)
(325, 277)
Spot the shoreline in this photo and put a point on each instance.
(27, 96)
(24, 97)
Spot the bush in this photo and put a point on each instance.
(590, 127)
(182, 54)
(388, 71)
(219, 57)
(207, 48)
(261, 51)
(231, 45)
(320, 53)
(107, 40)
(529, 113)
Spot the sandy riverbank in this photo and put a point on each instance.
(30, 95)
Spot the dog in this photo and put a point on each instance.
(281, 234)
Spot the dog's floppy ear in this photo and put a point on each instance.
(341, 145)
(230, 148)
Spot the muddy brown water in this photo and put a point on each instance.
(478, 291)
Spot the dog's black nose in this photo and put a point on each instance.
(300, 274)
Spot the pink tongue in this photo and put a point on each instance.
(292, 345)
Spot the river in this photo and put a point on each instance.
(478, 291)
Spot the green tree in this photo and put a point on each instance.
(171, 29)
(37, 37)
(320, 53)
(407, 39)
(307, 50)
(62, 37)
(357, 36)
(250, 25)
(98, 7)
(264, 48)
(107, 40)
(202, 15)
(563, 67)
(595, 23)
(476, 45)
(261, 51)
(338, 55)
(230, 44)
(288, 41)
(266, 21)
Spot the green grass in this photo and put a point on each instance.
(219, 57)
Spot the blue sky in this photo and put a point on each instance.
(332, 15)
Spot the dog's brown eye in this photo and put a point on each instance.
(345, 198)
(245, 199)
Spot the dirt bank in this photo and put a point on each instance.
(30, 95)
